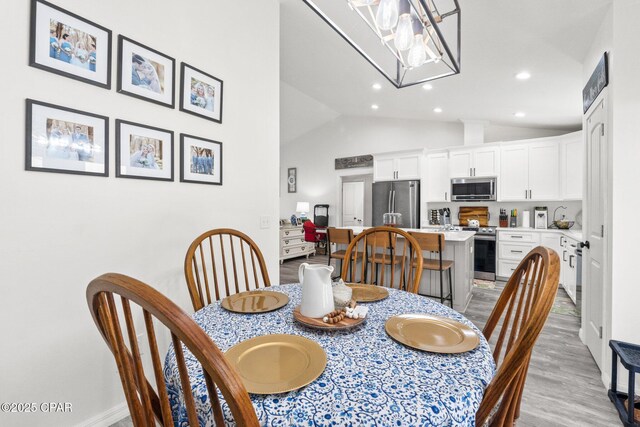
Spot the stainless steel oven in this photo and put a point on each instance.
(484, 253)
(470, 189)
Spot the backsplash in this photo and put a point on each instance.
(573, 210)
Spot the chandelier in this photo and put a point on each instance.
(415, 40)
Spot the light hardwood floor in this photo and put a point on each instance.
(563, 385)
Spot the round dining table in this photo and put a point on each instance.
(369, 380)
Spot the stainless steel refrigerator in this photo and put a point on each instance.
(399, 197)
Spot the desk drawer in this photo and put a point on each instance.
(293, 250)
(518, 236)
(292, 232)
(514, 251)
(292, 241)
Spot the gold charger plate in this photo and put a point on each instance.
(316, 323)
(367, 293)
(254, 301)
(277, 363)
(432, 333)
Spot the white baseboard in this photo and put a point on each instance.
(108, 417)
(582, 337)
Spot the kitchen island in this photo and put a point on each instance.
(459, 247)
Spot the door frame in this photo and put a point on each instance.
(347, 175)
(603, 98)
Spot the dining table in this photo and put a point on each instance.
(369, 380)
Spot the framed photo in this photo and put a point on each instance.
(597, 82)
(145, 73)
(291, 179)
(144, 152)
(69, 45)
(200, 160)
(200, 93)
(60, 139)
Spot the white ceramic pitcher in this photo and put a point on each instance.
(317, 294)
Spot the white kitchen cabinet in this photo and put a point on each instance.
(397, 166)
(513, 246)
(544, 171)
(438, 185)
(513, 182)
(553, 241)
(474, 162)
(530, 172)
(568, 268)
(572, 167)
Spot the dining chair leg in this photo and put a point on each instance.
(441, 287)
(450, 288)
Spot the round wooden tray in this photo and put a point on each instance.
(313, 322)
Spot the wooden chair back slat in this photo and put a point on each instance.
(189, 402)
(165, 408)
(148, 403)
(207, 261)
(384, 247)
(520, 312)
(137, 361)
(431, 242)
(339, 236)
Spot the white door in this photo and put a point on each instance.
(486, 162)
(544, 171)
(514, 173)
(596, 205)
(438, 183)
(460, 163)
(352, 203)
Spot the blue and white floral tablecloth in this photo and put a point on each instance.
(370, 380)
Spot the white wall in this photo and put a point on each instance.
(59, 231)
(495, 133)
(625, 296)
(314, 152)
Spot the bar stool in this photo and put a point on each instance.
(338, 236)
(434, 242)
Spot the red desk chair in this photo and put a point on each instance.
(311, 234)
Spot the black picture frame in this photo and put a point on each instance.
(597, 82)
(186, 175)
(136, 173)
(49, 165)
(136, 91)
(43, 61)
(206, 79)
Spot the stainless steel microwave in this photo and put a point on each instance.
(470, 189)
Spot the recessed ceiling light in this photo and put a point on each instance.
(523, 75)
(374, 106)
(376, 86)
(427, 86)
(519, 114)
(437, 110)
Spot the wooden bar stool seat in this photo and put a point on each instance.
(339, 236)
(434, 243)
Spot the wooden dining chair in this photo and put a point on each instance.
(149, 405)
(520, 314)
(384, 247)
(434, 243)
(226, 260)
(338, 236)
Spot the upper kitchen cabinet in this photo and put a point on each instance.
(572, 158)
(530, 172)
(474, 162)
(438, 185)
(397, 166)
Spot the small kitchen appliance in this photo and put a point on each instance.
(526, 219)
(541, 217)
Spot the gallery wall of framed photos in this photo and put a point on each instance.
(65, 43)
(60, 230)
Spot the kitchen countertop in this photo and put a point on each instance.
(571, 233)
(449, 236)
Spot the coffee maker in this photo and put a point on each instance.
(540, 217)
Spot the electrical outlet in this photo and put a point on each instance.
(264, 222)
